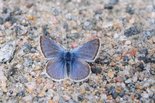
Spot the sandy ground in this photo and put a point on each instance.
(124, 71)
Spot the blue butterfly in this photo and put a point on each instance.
(71, 64)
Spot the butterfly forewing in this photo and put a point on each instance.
(79, 70)
(56, 69)
(50, 48)
(87, 51)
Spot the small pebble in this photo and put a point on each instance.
(135, 78)
(145, 95)
(65, 26)
(111, 73)
(152, 59)
(122, 93)
(98, 11)
(5, 10)
(7, 25)
(118, 79)
(96, 70)
(108, 6)
(148, 33)
(74, 45)
(12, 71)
(10, 19)
(1, 93)
(141, 67)
(7, 51)
(128, 81)
(126, 59)
(17, 11)
(131, 87)
(104, 60)
(153, 40)
(104, 96)
(1, 21)
(145, 59)
(30, 87)
(128, 42)
(113, 92)
(69, 16)
(3, 80)
(28, 62)
(28, 99)
(55, 11)
(80, 98)
(87, 25)
(130, 9)
(21, 94)
(131, 31)
(144, 51)
(113, 2)
(66, 97)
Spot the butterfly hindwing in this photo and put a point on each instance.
(56, 70)
(79, 70)
(87, 51)
(50, 48)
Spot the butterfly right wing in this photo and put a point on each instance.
(87, 51)
(50, 48)
(56, 69)
(79, 70)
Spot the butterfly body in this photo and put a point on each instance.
(68, 64)
(67, 59)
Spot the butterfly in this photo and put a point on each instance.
(70, 64)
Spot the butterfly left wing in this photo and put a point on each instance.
(50, 48)
(79, 70)
(56, 69)
(87, 51)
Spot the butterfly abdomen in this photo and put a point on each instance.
(67, 59)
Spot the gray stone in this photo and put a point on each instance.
(7, 51)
